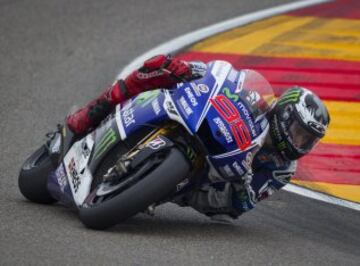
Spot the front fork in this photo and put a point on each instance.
(193, 150)
(158, 143)
(174, 135)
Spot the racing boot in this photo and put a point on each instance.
(95, 111)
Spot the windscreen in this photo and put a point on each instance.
(256, 91)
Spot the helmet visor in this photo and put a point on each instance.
(301, 139)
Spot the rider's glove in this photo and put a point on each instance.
(166, 66)
(178, 69)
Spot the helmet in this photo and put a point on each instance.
(298, 121)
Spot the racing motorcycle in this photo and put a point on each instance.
(153, 147)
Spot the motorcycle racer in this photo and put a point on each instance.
(297, 121)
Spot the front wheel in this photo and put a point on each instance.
(33, 177)
(152, 188)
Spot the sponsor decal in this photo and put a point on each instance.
(142, 75)
(200, 89)
(156, 106)
(230, 95)
(185, 106)
(85, 149)
(106, 141)
(75, 178)
(291, 96)
(198, 69)
(253, 97)
(238, 168)
(61, 177)
(128, 116)
(227, 170)
(231, 115)
(248, 118)
(191, 97)
(156, 143)
(224, 131)
(170, 108)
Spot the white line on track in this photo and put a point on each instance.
(180, 42)
(320, 196)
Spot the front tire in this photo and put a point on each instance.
(33, 177)
(150, 189)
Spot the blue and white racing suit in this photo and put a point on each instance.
(269, 172)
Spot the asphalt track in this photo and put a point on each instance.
(54, 54)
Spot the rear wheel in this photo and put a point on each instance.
(33, 177)
(155, 185)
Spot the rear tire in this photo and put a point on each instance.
(33, 177)
(150, 189)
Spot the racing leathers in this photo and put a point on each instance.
(268, 171)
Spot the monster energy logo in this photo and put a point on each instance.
(106, 141)
(292, 96)
(145, 98)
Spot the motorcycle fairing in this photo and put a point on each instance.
(236, 163)
(143, 109)
(199, 114)
(71, 181)
(192, 99)
(190, 105)
(83, 158)
(77, 170)
(80, 163)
